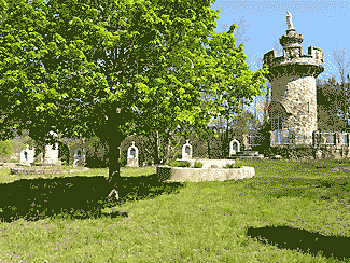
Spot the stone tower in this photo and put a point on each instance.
(293, 77)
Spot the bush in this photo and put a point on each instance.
(37, 163)
(64, 163)
(180, 164)
(198, 165)
(13, 160)
(235, 165)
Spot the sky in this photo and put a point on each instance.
(322, 24)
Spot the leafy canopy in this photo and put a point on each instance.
(135, 66)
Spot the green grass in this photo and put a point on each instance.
(54, 167)
(64, 167)
(203, 222)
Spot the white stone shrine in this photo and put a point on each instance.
(187, 151)
(79, 157)
(133, 156)
(26, 156)
(234, 147)
(51, 156)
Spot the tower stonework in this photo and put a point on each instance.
(292, 76)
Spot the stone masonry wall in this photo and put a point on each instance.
(298, 97)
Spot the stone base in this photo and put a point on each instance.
(28, 171)
(181, 174)
(132, 162)
(132, 165)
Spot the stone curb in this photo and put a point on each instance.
(26, 171)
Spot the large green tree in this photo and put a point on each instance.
(50, 52)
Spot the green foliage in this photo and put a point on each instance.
(180, 164)
(37, 163)
(135, 100)
(198, 165)
(13, 160)
(185, 164)
(6, 149)
(237, 164)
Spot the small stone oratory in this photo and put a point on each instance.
(133, 156)
(26, 156)
(292, 77)
(187, 150)
(234, 147)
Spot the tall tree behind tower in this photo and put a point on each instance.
(339, 59)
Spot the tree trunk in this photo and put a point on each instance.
(266, 103)
(156, 149)
(208, 142)
(114, 162)
(83, 152)
(71, 156)
(168, 151)
(227, 140)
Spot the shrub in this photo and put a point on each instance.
(235, 165)
(37, 163)
(13, 160)
(198, 165)
(180, 164)
(64, 163)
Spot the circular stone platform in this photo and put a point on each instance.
(182, 174)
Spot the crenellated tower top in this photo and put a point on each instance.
(293, 59)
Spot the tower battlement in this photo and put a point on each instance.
(314, 57)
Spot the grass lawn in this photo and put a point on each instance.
(283, 214)
(63, 167)
(54, 167)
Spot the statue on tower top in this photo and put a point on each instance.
(289, 21)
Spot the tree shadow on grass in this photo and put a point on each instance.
(143, 187)
(80, 197)
(294, 238)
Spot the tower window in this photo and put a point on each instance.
(308, 107)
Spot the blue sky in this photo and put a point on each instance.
(322, 23)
